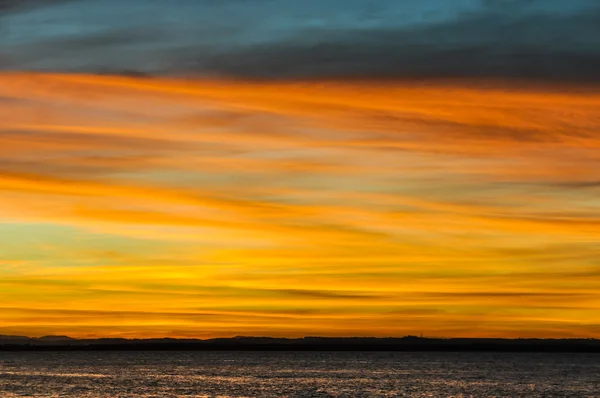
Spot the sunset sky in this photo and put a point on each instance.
(341, 168)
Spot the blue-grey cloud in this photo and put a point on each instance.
(548, 39)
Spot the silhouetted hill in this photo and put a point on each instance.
(56, 339)
(15, 339)
(408, 343)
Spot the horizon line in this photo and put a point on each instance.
(423, 337)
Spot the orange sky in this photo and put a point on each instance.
(151, 207)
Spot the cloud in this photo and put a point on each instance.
(482, 45)
(21, 5)
(490, 39)
(345, 207)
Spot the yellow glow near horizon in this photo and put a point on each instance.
(164, 207)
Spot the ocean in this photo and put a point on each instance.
(164, 374)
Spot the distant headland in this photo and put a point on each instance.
(242, 343)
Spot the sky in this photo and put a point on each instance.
(335, 168)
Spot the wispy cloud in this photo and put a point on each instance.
(537, 39)
(297, 208)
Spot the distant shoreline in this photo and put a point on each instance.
(408, 343)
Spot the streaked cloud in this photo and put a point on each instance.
(536, 39)
(280, 208)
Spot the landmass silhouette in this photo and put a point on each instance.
(243, 343)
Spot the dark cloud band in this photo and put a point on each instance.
(500, 39)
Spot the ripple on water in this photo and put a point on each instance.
(294, 374)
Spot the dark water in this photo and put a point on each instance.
(296, 374)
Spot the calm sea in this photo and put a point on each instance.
(296, 374)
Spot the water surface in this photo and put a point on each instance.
(296, 374)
